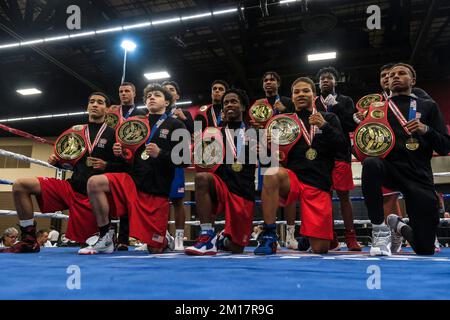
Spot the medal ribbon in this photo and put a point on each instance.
(309, 137)
(129, 113)
(240, 140)
(156, 127)
(399, 115)
(216, 119)
(92, 146)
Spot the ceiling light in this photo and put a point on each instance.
(157, 75)
(29, 92)
(128, 45)
(321, 56)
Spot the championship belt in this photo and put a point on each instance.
(114, 117)
(289, 133)
(374, 136)
(70, 146)
(210, 152)
(261, 111)
(364, 103)
(131, 134)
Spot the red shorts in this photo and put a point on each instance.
(58, 195)
(315, 207)
(389, 192)
(238, 213)
(148, 214)
(342, 176)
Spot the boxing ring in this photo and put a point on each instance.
(62, 274)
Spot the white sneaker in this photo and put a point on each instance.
(170, 242)
(381, 241)
(104, 244)
(179, 241)
(291, 242)
(396, 237)
(141, 248)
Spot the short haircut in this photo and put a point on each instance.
(273, 74)
(222, 82)
(10, 231)
(157, 87)
(408, 66)
(172, 83)
(98, 93)
(129, 84)
(387, 66)
(305, 80)
(242, 95)
(41, 232)
(331, 70)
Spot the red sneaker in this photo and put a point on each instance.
(28, 244)
(350, 240)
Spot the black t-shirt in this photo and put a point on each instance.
(327, 142)
(240, 183)
(285, 101)
(344, 109)
(416, 165)
(155, 175)
(188, 123)
(104, 151)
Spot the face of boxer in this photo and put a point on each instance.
(302, 96)
(97, 108)
(384, 79)
(217, 92)
(173, 91)
(127, 95)
(401, 79)
(156, 102)
(270, 85)
(232, 107)
(327, 83)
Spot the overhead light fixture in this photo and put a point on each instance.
(116, 29)
(128, 45)
(28, 92)
(157, 75)
(183, 103)
(48, 116)
(287, 1)
(322, 56)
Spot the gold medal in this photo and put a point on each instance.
(89, 162)
(311, 154)
(145, 155)
(412, 144)
(237, 167)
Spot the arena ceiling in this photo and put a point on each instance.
(238, 47)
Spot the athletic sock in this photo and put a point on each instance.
(104, 230)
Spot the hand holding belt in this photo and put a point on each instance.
(70, 146)
(209, 150)
(132, 134)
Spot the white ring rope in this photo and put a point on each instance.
(27, 159)
(57, 215)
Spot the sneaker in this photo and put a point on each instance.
(141, 248)
(303, 244)
(222, 242)
(437, 246)
(28, 244)
(381, 241)
(170, 242)
(267, 243)
(205, 245)
(104, 244)
(291, 242)
(122, 247)
(179, 243)
(334, 244)
(396, 237)
(350, 240)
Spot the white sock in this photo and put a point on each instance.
(179, 233)
(290, 229)
(206, 227)
(26, 223)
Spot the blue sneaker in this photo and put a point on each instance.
(205, 245)
(222, 242)
(267, 243)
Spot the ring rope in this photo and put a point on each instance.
(21, 157)
(25, 134)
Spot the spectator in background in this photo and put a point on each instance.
(42, 239)
(9, 237)
(53, 235)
